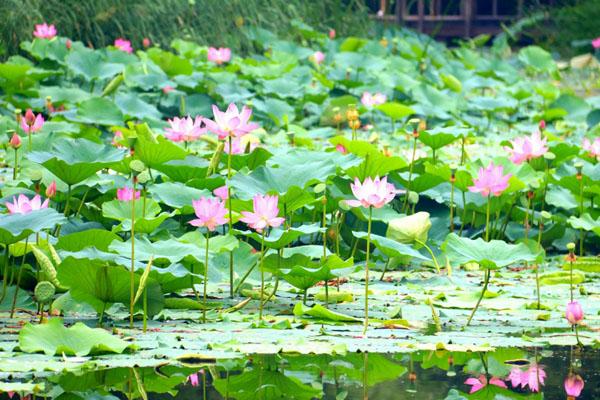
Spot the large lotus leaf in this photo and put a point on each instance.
(253, 160)
(169, 250)
(54, 338)
(375, 163)
(395, 110)
(15, 227)
(154, 151)
(169, 62)
(279, 238)
(576, 107)
(321, 165)
(439, 137)
(585, 222)
(74, 160)
(145, 225)
(59, 94)
(100, 284)
(537, 58)
(191, 167)
(146, 76)
(91, 65)
(133, 107)
(391, 248)
(277, 110)
(321, 313)
(265, 384)
(99, 238)
(53, 49)
(177, 195)
(491, 255)
(98, 111)
(15, 78)
(268, 180)
(284, 87)
(121, 210)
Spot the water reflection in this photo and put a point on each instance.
(509, 373)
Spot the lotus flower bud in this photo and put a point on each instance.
(410, 229)
(413, 197)
(146, 42)
(574, 313)
(573, 385)
(15, 141)
(542, 125)
(51, 190)
(29, 117)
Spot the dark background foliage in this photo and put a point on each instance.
(215, 22)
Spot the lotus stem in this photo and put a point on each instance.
(145, 302)
(367, 271)
(581, 231)
(16, 168)
(132, 271)
(325, 246)
(262, 275)
(14, 302)
(435, 262)
(385, 268)
(5, 272)
(205, 278)
(410, 171)
(452, 180)
(231, 291)
(487, 219)
(485, 285)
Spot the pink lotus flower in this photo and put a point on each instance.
(482, 381)
(44, 31)
(332, 34)
(68, 44)
(596, 43)
(15, 141)
(167, 89)
(210, 212)
(593, 148)
(574, 313)
(372, 192)
(124, 45)
(220, 55)
(185, 129)
(542, 125)
(194, 379)
(51, 190)
(117, 137)
(126, 194)
(238, 146)
(31, 122)
(573, 385)
(341, 148)
(231, 122)
(22, 204)
(222, 192)
(532, 377)
(318, 57)
(146, 42)
(370, 100)
(490, 180)
(527, 148)
(264, 214)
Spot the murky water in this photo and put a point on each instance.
(422, 375)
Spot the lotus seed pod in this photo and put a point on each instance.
(44, 292)
(144, 177)
(137, 166)
(546, 215)
(413, 197)
(571, 246)
(549, 156)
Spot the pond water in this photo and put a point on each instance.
(420, 375)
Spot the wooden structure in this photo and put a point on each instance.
(459, 18)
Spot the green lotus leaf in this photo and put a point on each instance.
(279, 237)
(15, 227)
(390, 247)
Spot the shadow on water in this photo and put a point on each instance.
(507, 373)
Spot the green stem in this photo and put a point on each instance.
(67, 205)
(435, 262)
(571, 278)
(14, 302)
(132, 270)
(385, 268)
(452, 206)
(410, 173)
(487, 219)
(205, 278)
(367, 271)
(16, 164)
(243, 279)
(262, 275)
(537, 284)
(325, 247)
(581, 231)
(145, 300)
(5, 273)
(485, 285)
(463, 219)
(231, 291)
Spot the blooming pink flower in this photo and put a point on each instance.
(482, 381)
(51, 190)
(168, 89)
(185, 129)
(593, 148)
(15, 141)
(372, 192)
(222, 192)
(238, 146)
(31, 122)
(332, 34)
(123, 45)
(318, 57)
(126, 194)
(231, 122)
(490, 180)
(264, 213)
(341, 148)
(22, 204)
(573, 385)
(220, 55)
(532, 377)
(527, 148)
(370, 100)
(574, 313)
(210, 212)
(44, 31)
(596, 43)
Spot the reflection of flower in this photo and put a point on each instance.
(532, 377)
(573, 385)
(490, 180)
(22, 204)
(482, 381)
(194, 379)
(44, 31)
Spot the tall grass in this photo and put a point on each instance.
(215, 22)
